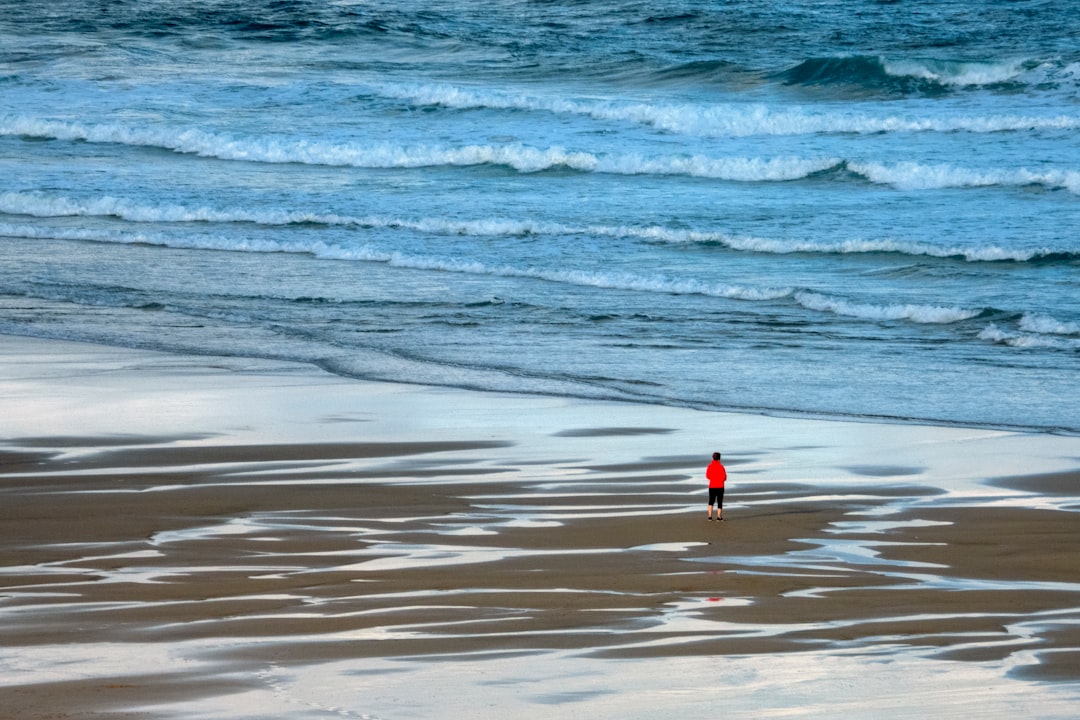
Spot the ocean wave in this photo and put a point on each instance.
(1046, 325)
(42, 205)
(923, 314)
(1028, 340)
(608, 280)
(280, 150)
(36, 204)
(525, 159)
(125, 237)
(917, 176)
(522, 158)
(903, 76)
(719, 119)
(599, 279)
(957, 73)
(988, 253)
(587, 278)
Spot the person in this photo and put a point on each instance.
(717, 475)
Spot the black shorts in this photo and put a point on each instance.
(716, 495)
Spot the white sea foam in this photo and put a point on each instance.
(269, 149)
(917, 176)
(1046, 325)
(606, 280)
(125, 237)
(960, 74)
(1034, 340)
(43, 205)
(928, 314)
(525, 159)
(630, 282)
(990, 253)
(520, 157)
(728, 119)
(738, 169)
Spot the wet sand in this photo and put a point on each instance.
(211, 537)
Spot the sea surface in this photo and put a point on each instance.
(849, 209)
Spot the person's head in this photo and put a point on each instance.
(716, 456)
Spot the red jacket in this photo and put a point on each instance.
(716, 473)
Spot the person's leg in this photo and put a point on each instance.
(720, 504)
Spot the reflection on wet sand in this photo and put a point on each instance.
(199, 574)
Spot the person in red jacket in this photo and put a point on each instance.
(717, 475)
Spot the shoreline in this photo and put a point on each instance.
(778, 413)
(270, 532)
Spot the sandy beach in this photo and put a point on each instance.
(227, 538)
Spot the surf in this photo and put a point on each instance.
(719, 119)
(47, 205)
(904, 175)
(928, 76)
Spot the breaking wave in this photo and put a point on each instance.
(525, 159)
(42, 205)
(913, 75)
(719, 119)
(1029, 340)
(916, 176)
(632, 282)
(522, 158)
(1046, 325)
(923, 314)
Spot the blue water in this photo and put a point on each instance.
(864, 209)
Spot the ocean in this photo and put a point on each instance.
(862, 210)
